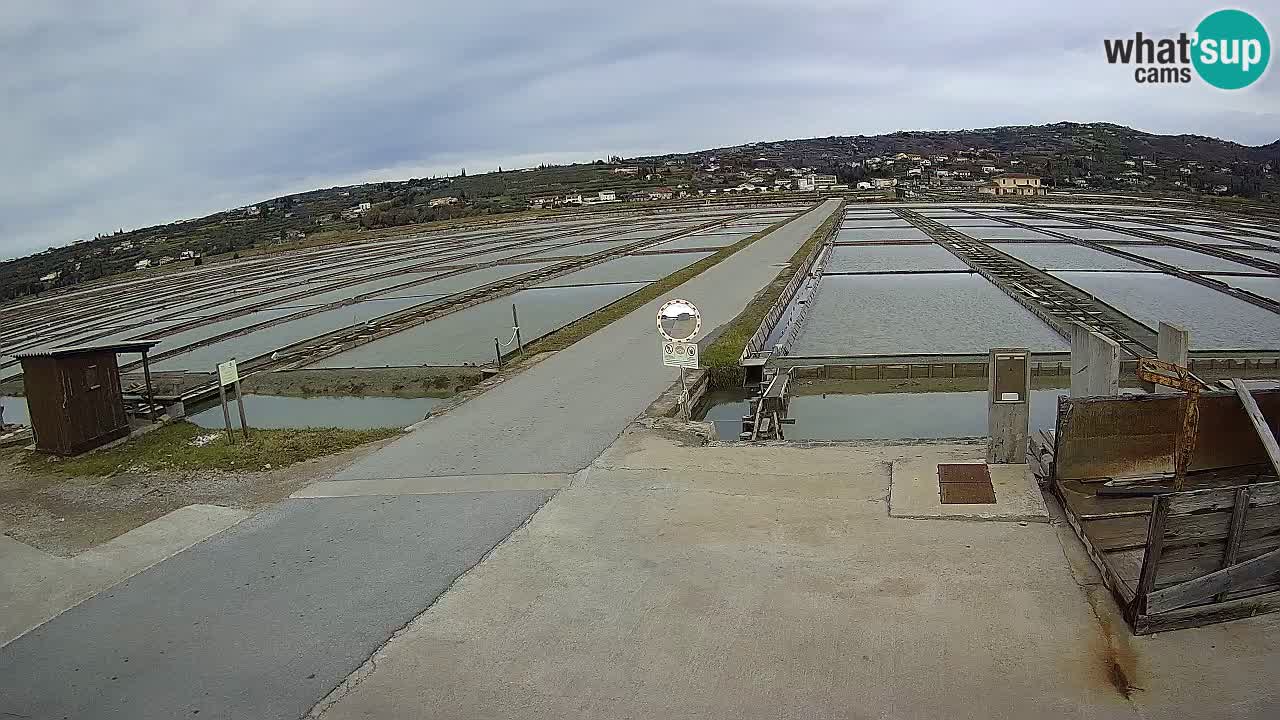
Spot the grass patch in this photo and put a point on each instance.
(581, 328)
(177, 447)
(727, 349)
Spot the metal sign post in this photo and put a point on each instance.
(226, 414)
(229, 374)
(515, 323)
(679, 322)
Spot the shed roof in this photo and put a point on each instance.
(128, 346)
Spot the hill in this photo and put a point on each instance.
(1097, 156)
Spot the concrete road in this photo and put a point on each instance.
(559, 415)
(771, 582)
(261, 621)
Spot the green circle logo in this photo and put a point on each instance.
(1232, 49)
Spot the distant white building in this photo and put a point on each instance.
(626, 171)
(51, 276)
(442, 201)
(364, 207)
(187, 255)
(607, 196)
(988, 169)
(864, 185)
(824, 182)
(574, 199)
(805, 183)
(1013, 184)
(882, 183)
(142, 265)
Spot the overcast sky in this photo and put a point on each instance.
(129, 113)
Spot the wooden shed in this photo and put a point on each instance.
(74, 395)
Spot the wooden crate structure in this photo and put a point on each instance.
(1175, 559)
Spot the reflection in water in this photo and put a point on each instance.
(882, 416)
(354, 413)
(15, 410)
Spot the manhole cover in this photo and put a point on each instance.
(965, 484)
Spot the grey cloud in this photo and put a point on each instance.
(132, 113)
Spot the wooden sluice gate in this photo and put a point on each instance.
(1182, 520)
(768, 410)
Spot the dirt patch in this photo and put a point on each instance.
(1115, 664)
(68, 514)
(405, 382)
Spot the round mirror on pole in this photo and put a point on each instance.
(679, 320)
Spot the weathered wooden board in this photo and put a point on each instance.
(1135, 435)
(1265, 434)
(1204, 587)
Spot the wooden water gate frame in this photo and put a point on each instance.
(1175, 558)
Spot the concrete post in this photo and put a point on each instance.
(1008, 405)
(1172, 345)
(1095, 363)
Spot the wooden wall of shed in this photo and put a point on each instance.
(43, 390)
(1132, 436)
(75, 402)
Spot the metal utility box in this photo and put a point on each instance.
(74, 396)
(1009, 406)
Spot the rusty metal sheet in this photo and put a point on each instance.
(1136, 435)
(965, 484)
(958, 493)
(964, 473)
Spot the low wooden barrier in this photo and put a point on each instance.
(1173, 559)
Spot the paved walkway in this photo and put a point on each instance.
(771, 582)
(265, 619)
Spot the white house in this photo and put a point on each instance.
(864, 185)
(1013, 184)
(607, 196)
(440, 201)
(988, 169)
(882, 183)
(142, 265)
(574, 199)
(805, 182)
